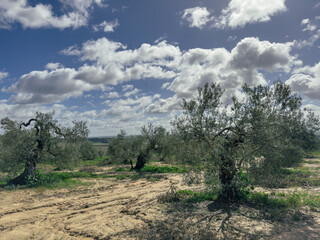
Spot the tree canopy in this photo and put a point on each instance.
(23, 147)
(266, 129)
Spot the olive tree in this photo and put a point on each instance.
(152, 140)
(123, 149)
(257, 131)
(23, 146)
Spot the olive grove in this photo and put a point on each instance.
(263, 131)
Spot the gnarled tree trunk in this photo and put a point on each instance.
(226, 176)
(29, 171)
(142, 159)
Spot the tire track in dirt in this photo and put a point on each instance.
(97, 212)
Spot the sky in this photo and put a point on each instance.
(121, 64)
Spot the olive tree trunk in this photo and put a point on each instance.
(29, 170)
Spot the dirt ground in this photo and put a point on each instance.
(127, 209)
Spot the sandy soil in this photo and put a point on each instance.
(126, 209)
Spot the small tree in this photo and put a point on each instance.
(257, 131)
(122, 148)
(153, 139)
(27, 146)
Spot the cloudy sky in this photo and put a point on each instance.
(120, 64)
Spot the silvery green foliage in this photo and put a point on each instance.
(39, 139)
(266, 130)
(15, 146)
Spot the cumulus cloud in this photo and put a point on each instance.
(53, 66)
(113, 95)
(107, 63)
(132, 92)
(231, 68)
(237, 14)
(106, 26)
(305, 81)
(47, 86)
(3, 75)
(242, 12)
(42, 16)
(114, 64)
(164, 105)
(196, 17)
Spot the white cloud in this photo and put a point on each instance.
(127, 87)
(231, 38)
(237, 14)
(114, 64)
(53, 66)
(196, 17)
(133, 92)
(113, 95)
(42, 16)
(312, 27)
(106, 26)
(47, 86)
(308, 25)
(312, 108)
(71, 51)
(164, 105)
(23, 113)
(242, 12)
(111, 63)
(3, 75)
(317, 5)
(231, 68)
(305, 81)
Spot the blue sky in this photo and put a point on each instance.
(121, 64)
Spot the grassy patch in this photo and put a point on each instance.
(98, 161)
(275, 206)
(293, 177)
(162, 169)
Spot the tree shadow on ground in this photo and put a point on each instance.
(218, 220)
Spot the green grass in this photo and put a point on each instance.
(98, 161)
(293, 177)
(162, 169)
(279, 200)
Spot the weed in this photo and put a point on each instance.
(281, 194)
(170, 196)
(122, 176)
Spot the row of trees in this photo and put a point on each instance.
(263, 131)
(258, 134)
